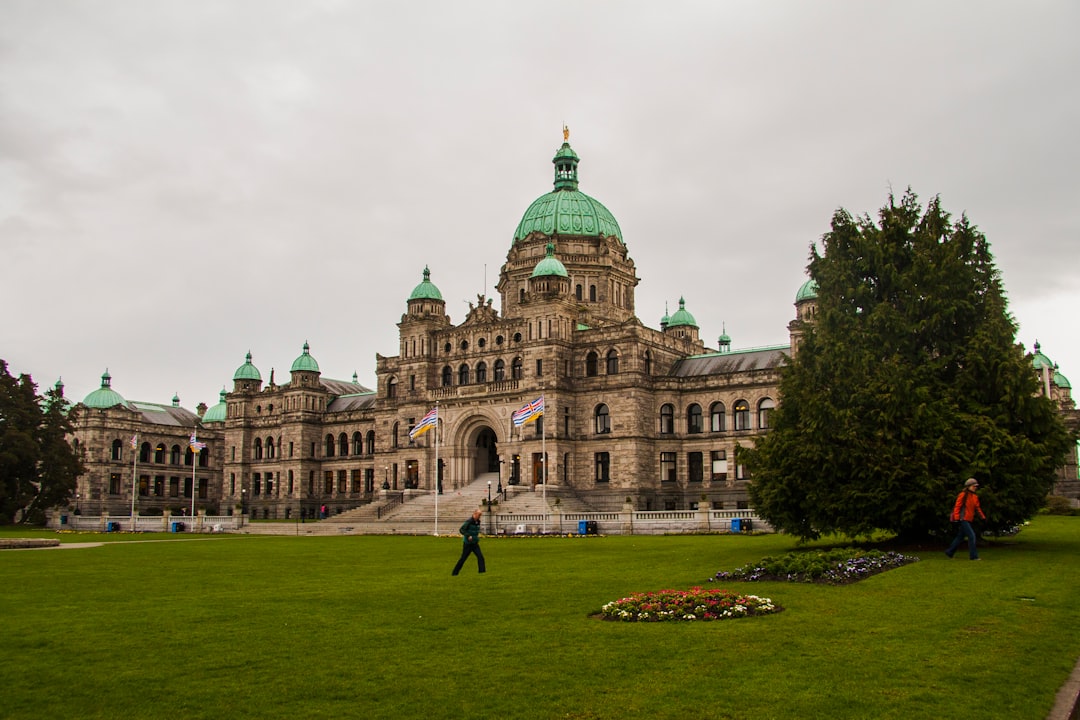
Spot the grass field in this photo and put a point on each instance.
(375, 627)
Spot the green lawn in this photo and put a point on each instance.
(375, 627)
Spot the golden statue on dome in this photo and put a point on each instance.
(565, 133)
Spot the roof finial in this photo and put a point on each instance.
(565, 133)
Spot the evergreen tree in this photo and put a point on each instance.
(907, 381)
(38, 467)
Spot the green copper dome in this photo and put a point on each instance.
(1040, 361)
(682, 316)
(305, 363)
(247, 371)
(550, 265)
(104, 397)
(426, 290)
(216, 413)
(566, 210)
(1061, 381)
(808, 291)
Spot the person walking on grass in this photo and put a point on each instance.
(967, 504)
(470, 529)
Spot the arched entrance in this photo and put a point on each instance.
(486, 452)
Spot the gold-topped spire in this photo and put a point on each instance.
(565, 133)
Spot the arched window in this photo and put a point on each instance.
(500, 370)
(521, 295)
(481, 372)
(648, 363)
(256, 449)
(591, 365)
(603, 419)
(117, 450)
(189, 456)
(357, 444)
(764, 410)
(329, 446)
(579, 293)
(463, 374)
(394, 436)
(612, 363)
(343, 445)
(371, 442)
(204, 457)
(717, 417)
(693, 419)
(159, 454)
(741, 411)
(174, 455)
(391, 388)
(515, 369)
(592, 293)
(667, 419)
(144, 453)
(270, 448)
(447, 376)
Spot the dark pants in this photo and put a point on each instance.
(965, 530)
(465, 550)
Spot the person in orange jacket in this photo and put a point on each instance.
(967, 504)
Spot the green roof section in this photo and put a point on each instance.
(305, 363)
(1040, 361)
(807, 291)
(550, 265)
(247, 371)
(216, 414)
(426, 290)
(566, 210)
(682, 317)
(104, 397)
(1061, 381)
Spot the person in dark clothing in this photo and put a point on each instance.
(470, 529)
(967, 504)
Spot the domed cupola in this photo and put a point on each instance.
(806, 301)
(725, 340)
(566, 210)
(1040, 361)
(550, 265)
(247, 376)
(104, 397)
(682, 323)
(305, 363)
(426, 300)
(549, 277)
(217, 413)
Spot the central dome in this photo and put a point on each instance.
(566, 210)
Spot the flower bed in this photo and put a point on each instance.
(683, 605)
(834, 567)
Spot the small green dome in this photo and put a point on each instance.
(682, 316)
(566, 210)
(216, 413)
(104, 397)
(808, 291)
(247, 371)
(305, 363)
(426, 290)
(1040, 361)
(1061, 381)
(550, 265)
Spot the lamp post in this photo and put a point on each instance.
(489, 507)
(243, 501)
(386, 477)
(77, 504)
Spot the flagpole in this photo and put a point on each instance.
(543, 457)
(436, 469)
(194, 464)
(134, 474)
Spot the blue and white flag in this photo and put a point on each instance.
(530, 412)
(426, 423)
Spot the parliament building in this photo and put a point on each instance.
(632, 414)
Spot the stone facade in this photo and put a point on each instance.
(634, 417)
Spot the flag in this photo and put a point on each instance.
(426, 423)
(194, 444)
(530, 412)
(135, 441)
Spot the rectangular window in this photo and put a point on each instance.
(328, 482)
(667, 467)
(174, 487)
(354, 486)
(187, 487)
(694, 467)
(256, 484)
(290, 448)
(114, 484)
(342, 481)
(539, 368)
(719, 465)
(159, 486)
(603, 467)
(204, 488)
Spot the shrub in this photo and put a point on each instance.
(1058, 505)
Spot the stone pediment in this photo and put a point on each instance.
(482, 312)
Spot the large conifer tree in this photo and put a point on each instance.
(907, 381)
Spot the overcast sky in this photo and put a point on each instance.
(182, 182)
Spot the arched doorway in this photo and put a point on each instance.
(486, 457)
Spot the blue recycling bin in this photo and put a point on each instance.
(112, 527)
(582, 527)
(736, 525)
